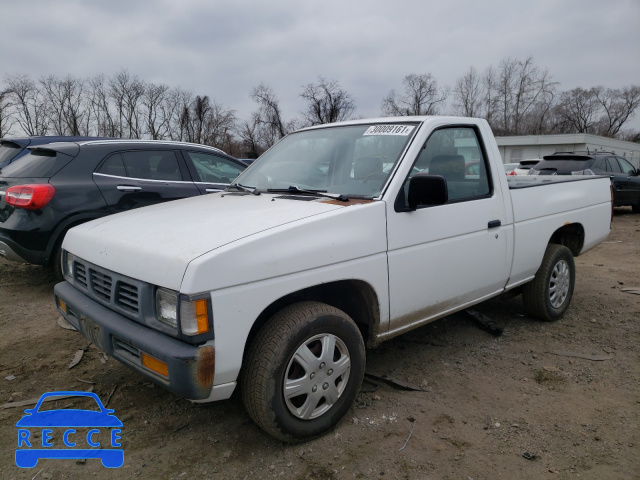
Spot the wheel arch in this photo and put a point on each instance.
(571, 236)
(356, 298)
(61, 230)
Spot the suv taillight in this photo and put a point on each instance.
(30, 197)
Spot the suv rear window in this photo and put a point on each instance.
(562, 166)
(37, 164)
(8, 150)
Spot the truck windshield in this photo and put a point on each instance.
(354, 160)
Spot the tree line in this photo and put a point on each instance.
(516, 97)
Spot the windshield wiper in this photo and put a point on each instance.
(320, 193)
(244, 188)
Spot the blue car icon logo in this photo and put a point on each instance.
(69, 433)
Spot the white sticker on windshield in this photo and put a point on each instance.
(389, 130)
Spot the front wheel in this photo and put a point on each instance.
(303, 371)
(548, 295)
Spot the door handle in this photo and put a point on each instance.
(128, 188)
(494, 224)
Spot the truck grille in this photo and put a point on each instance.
(81, 274)
(127, 297)
(101, 285)
(115, 291)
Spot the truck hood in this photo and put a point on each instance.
(156, 243)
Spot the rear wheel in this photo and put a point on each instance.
(548, 295)
(636, 207)
(303, 371)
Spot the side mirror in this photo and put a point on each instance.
(428, 190)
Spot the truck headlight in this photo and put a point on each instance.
(67, 264)
(194, 316)
(167, 307)
(191, 313)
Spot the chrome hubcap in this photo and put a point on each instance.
(559, 283)
(316, 376)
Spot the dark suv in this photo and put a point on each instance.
(624, 176)
(60, 185)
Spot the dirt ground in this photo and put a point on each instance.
(557, 400)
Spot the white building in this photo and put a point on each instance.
(516, 148)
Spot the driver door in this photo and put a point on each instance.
(441, 257)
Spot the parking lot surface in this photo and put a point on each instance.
(543, 400)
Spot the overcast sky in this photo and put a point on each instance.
(224, 48)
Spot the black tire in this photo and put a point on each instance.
(325, 388)
(548, 295)
(636, 208)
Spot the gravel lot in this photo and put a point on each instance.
(557, 400)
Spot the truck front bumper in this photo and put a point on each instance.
(189, 369)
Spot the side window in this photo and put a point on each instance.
(214, 169)
(456, 154)
(612, 165)
(599, 165)
(152, 165)
(626, 166)
(113, 166)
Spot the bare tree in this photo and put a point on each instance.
(269, 116)
(629, 135)
(421, 96)
(535, 93)
(208, 123)
(521, 88)
(619, 106)
(156, 117)
(326, 102)
(468, 95)
(249, 132)
(6, 120)
(579, 109)
(100, 108)
(490, 98)
(126, 92)
(29, 103)
(67, 113)
(219, 127)
(175, 101)
(200, 109)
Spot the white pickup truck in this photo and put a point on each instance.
(340, 235)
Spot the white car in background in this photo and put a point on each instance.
(525, 165)
(509, 168)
